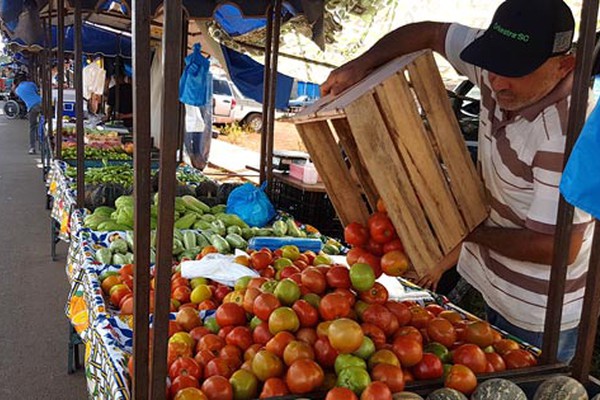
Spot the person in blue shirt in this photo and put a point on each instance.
(28, 92)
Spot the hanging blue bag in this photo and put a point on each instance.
(194, 88)
(251, 204)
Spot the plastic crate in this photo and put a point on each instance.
(313, 208)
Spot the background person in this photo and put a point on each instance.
(27, 91)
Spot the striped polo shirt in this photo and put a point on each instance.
(520, 160)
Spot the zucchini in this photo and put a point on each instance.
(236, 241)
(219, 227)
(189, 240)
(234, 229)
(220, 244)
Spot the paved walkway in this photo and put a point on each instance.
(33, 289)
(234, 159)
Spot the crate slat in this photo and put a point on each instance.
(374, 142)
(341, 187)
(470, 197)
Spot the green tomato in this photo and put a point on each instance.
(360, 307)
(313, 299)
(242, 283)
(244, 384)
(287, 291)
(291, 252)
(322, 259)
(447, 368)
(211, 324)
(254, 322)
(281, 263)
(366, 349)
(344, 361)
(362, 277)
(198, 281)
(269, 286)
(354, 378)
(439, 350)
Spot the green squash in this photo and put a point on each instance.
(498, 389)
(406, 396)
(446, 394)
(561, 388)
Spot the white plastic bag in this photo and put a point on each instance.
(218, 267)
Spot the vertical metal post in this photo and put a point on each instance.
(166, 197)
(45, 54)
(273, 94)
(142, 195)
(79, 106)
(49, 83)
(266, 95)
(60, 35)
(562, 238)
(181, 131)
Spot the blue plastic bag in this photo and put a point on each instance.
(251, 204)
(580, 183)
(194, 88)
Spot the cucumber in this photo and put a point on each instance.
(234, 229)
(236, 241)
(221, 244)
(219, 227)
(208, 217)
(201, 241)
(189, 240)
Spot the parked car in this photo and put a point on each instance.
(229, 106)
(299, 103)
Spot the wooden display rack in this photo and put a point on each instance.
(403, 144)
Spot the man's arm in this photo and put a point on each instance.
(404, 40)
(523, 244)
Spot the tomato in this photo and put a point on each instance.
(345, 335)
(239, 336)
(389, 374)
(279, 342)
(261, 260)
(334, 305)
(274, 387)
(435, 309)
(325, 353)
(307, 335)
(394, 263)
(287, 291)
(176, 350)
(283, 319)
(374, 248)
(314, 280)
(202, 357)
(354, 378)
(297, 350)
(505, 345)
(251, 352)
(224, 331)
(348, 294)
(378, 294)
(249, 296)
(182, 382)
(232, 354)
(195, 333)
(256, 282)
(266, 365)
(268, 272)
(430, 367)
(185, 366)
(381, 228)
(264, 304)
(496, 361)
(338, 277)
(383, 356)
(408, 350)
(374, 333)
(394, 244)
(208, 250)
(190, 393)
(181, 294)
(304, 376)
(217, 388)
(472, 356)
(307, 314)
(118, 292)
(354, 254)
(401, 311)
(244, 385)
(356, 234)
(383, 318)
(217, 367)
(439, 350)
(441, 330)
(479, 333)
(288, 272)
(519, 358)
(261, 333)
(461, 378)
(341, 393)
(420, 317)
(230, 314)
(323, 329)
(207, 305)
(451, 316)
(376, 391)
(210, 342)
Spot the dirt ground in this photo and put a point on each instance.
(286, 138)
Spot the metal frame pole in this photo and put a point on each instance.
(266, 94)
(79, 106)
(142, 195)
(181, 128)
(168, 163)
(562, 238)
(60, 35)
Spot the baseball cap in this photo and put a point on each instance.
(522, 36)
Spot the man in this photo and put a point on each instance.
(524, 70)
(28, 92)
(125, 110)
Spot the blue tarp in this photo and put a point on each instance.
(312, 90)
(231, 19)
(248, 77)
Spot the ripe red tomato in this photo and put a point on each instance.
(338, 277)
(400, 310)
(395, 263)
(519, 358)
(202, 357)
(230, 314)
(430, 367)
(256, 282)
(218, 367)
(325, 353)
(378, 294)
(195, 333)
(233, 355)
(264, 305)
(381, 228)
(279, 342)
(304, 376)
(348, 294)
(341, 393)
(374, 333)
(376, 391)
(307, 335)
(185, 366)
(249, 296)
(176, 350)
(182, 382)
(261, 333)
(472, 356)
(207, 305)
(409, 331)
(224, 331)
(274, 387)
(435, 309)
(354, 254)
(181, 294)
(334, 305)
(479, 333)
(408, 350)
(240, 336)
(314, 280)
(389, 374)
(261, 260)
(289, 272)
(441, 330)
(211, 342)
(503, 346)
(496, 361)
(395, 244)
(356, 234)
(296, 350)
(373, 261)
(381, 317)
(307, 314)
(374, 247)
(461, 378)
(420, 317)
(217, 388)
(251, 352)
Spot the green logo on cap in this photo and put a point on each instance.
(522, 37)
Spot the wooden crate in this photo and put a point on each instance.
(402, 143)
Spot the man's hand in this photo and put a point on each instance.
(344, 77)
